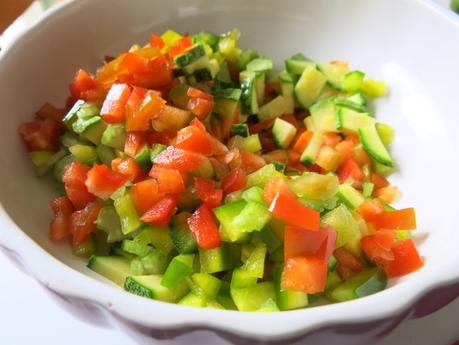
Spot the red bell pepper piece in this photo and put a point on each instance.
(128, 167)
(175, 158)
(138, 118)
(204, 228)
(170, 181)
(273, 187)
(305, 274)
(74, 179)
(41, 135)
(206, 191)
(114, 106)
(289, 209)
(103, 182)
(60, 224)
(192, 138)
(162, 211)
(378, 247)
(134, 141)
(350, 170)
(82, 222)
(84, 86)
(404, 219)
(302, 242)
(145, 194)
(233, 181)
(406, 259)
(156, 41)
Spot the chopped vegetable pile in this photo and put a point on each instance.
(190, 172)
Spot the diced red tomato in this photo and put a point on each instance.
(49, 111)
(288, 209)
(181, 46)
(138, 119)
(193, 92)
(379, 181)
(114, 106)
(164, 137)
(200, 107)
(84, 86)
(156, 41)
(82, 222)
(41, 135)
(406, 259)
(145, 194)
(134, 141)
(206, 191)
(162, 211)
(128, 167)
(60, 224)
(302, 242)
(204, 228)
(74, 179)
(370, 208)
(218, 148)
(103, 182)
(261, 126)
(197, 123)
(251, 162)
(161, 73)
(379, 246)
(233, 181)
(170, 181)
(135, 64)
(303, 141)
(305, 274)
(192, 138)
(404, 219)
(274, 186)
(350, 170)
(348, 263)
(175, 158)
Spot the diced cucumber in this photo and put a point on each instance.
(160, 238)
(324, 116)
(386, 133)
(374, 146)
(374, 88)
(183, 239)
(215, 260)
(94, 132)
(333, 280)
(84, 153)
(58, 169)
(367, 189)
(71, 116)
(156, 149)
(244, 58)
(260, 83)
(149, 286)
(352, 121)
(309, 86)
(343, 222)
(298, 63)
(170, 37)
(206, 37)
(280, 166)
(225, 107)
(135, 248)
(109, 222)
(274, 108)
(310, 152)
(129, 217)
(224, 296)
(332, 264)
(51, 161)
(252, 143)
(155, 262)
(314, 186)
(203, 63)
(179, 268)
(287, 87)
(84, 249)
(288, 300)
(334, 74)
(114, 268)
(353, 81)
(362, 284)
(40, 158)
(251, 298)
(190, 56)
(352, 103)
(249, 101)
(260, 65)
(143, 157)
(240, 129)
(283, 133)
(350, 196)
(88, 110)
(106, 154)
(114, 136)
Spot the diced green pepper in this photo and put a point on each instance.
(288, 300)
(215, 260)
(242, 278)
(84, 153)
(253, 194)
(254, 260)
(114, 136)
(262, 176)
(136, 248)
(225, 215)
(179, 268)
(129, 217)
(344, 223)
(253, 217)
(251, 298)
(155, 262)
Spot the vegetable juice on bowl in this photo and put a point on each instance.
(190, 172)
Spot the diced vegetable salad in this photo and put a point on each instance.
(191, 172)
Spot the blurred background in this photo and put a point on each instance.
(28, 314)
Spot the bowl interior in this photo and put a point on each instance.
(418, 61)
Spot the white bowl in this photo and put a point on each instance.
(412, 45)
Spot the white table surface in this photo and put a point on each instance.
(28, 315)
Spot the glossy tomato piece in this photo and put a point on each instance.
(162, 211)
(60, 224)
(233, 181)
(128, 167)
(251, 162)
(134, 141)
(170, 181)
(82, 222)
(41, 135)
(139, 118)
(181, 46)
(288, 209)
(274, 186)
(114, 106)
(306, 274)
(350, 170)
(406, 259)
(302, 242)
(192, 138)
(84, 86)
(175, 158)
(379, 181)
(103, 182)
(206, 191)
(156, 41)
(404, 219)
(49, 111)
(200, 107)
(348, 263)
(378, 247)
(74, 179)
(145, 194)
(197, 123)
(161, 72)
(204, 228)
(194, 92)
